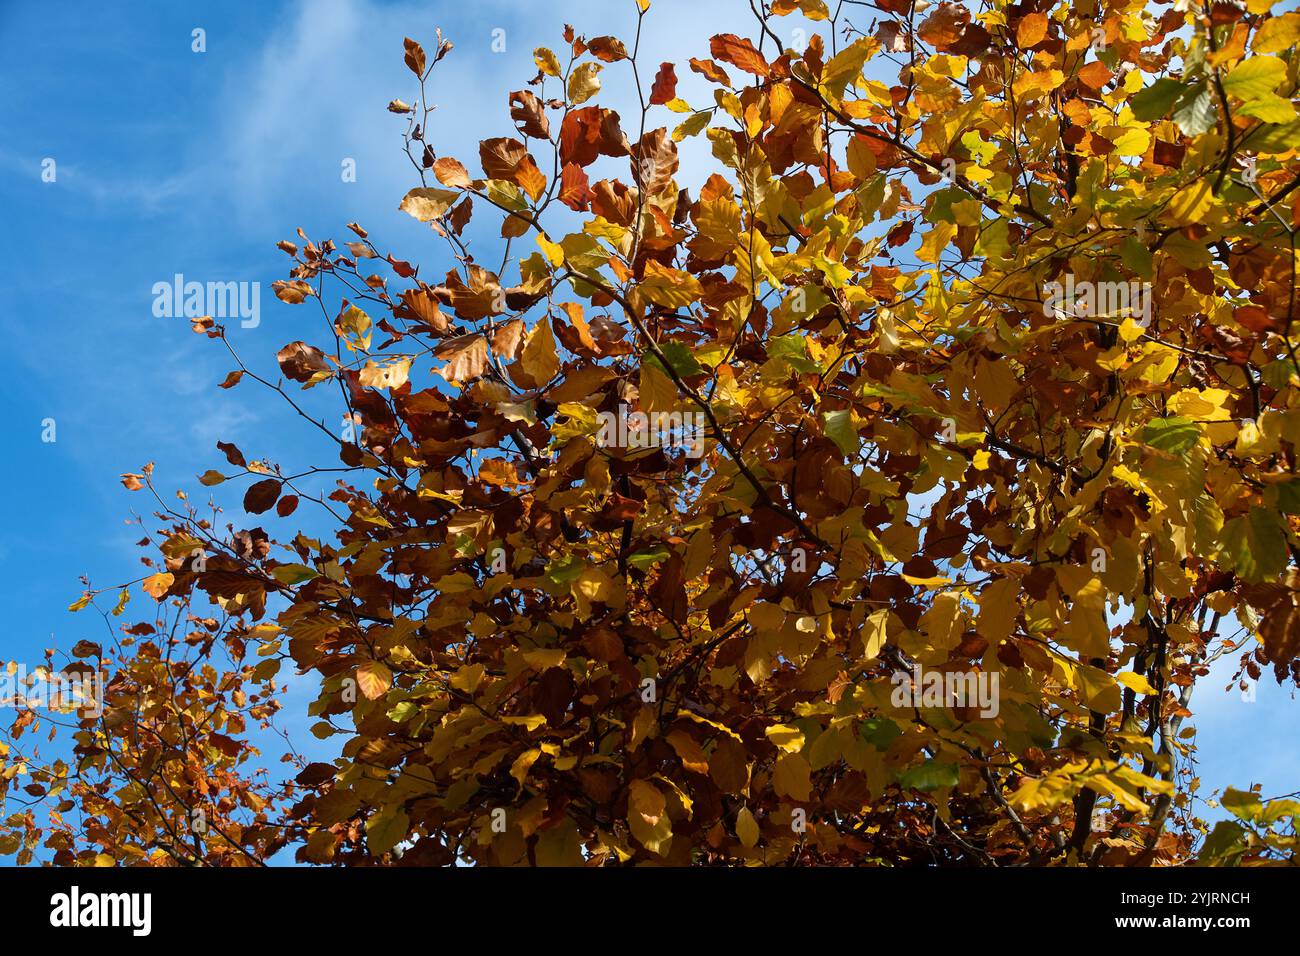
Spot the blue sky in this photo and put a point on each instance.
(171, 161)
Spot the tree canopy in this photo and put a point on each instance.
(972, 351)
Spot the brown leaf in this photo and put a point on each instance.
(423, 307)
(498, 471)
(414, 56)
(466, 357)
(944, 26)
(374, 679)
(609, 49)
(655, 160)
(501, 156)
(261, 495)
(233, 454)
(529, 111)
(1279, 605)
(292, 291)
(711, 71)
(300, 361)
(451, 172)
(507, 339)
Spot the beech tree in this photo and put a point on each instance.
(980, 324)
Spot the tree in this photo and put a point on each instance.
(880, 498)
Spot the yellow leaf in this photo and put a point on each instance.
(1192, 203)
(693, 758)
(523, 763)
(747, 828)
(658, 393)
(156, 585)
(426, 203)
(547, 61)
(560, 845)
(1278, 34)
(936, 240)
(1135, 682)
(669, 287)
(554, 251)
(584, 83)
(874, 633)
(1097, 689)
(647, 816)
(786, 738)
(538, 361)
(791, 777)
(385, 376)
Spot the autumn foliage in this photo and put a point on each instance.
(535, 646)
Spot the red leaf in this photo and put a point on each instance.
(575, 188)
(665, 85)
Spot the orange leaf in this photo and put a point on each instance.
(740, 53)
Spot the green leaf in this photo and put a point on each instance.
(838, 427)
(1153, 102)
(1270, 108)
(692, 125)
(566, 571)
(386, 829)
(1223, 841)
(1174, 434)
(793, 351)
(680, 358)
(931, 775)
(880, 732)
(1288, 497)
(1254, 77)
(1242, 804)
(1194, 113)
(643, 560)
(293, 573)
(1137, 256)
(1275, 139)
(1255, 545)
(1278, 374)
